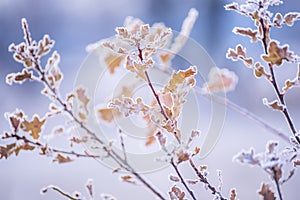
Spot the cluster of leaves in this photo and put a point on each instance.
(273, 55)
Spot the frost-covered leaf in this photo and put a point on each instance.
(291, 17)
(248, 157)
(259, 71)
(220, 80)
(296, 163)
(62, 159)
(233, 194)
(277, 54)
(34, 126)
(266, 192)
(113, 61)
(83, 99)
(107, 197)
(128, 179)
(246, 32)
(278, 20)
(176, 193)
(274, 104)
(174, 178)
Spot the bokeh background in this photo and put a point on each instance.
(74, 24)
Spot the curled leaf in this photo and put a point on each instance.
(62, 159)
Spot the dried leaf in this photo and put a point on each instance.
(81, 95)
(246, 32)
(274, 105)
(113, 61)
(266, 192)
(233, 194)
(107, 114)
(277, 54)
(182, 156)
(61, 159)
(296, 163)
(220, 80)
(259, 71)
(174, 178)
(25, 147)
(278, 19)
(34, 127)
(291, 17)
(128, 179)
(6, 151)
(176, 193)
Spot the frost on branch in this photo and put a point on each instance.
(220, 80)
(137, 43)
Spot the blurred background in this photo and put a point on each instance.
(74, 24)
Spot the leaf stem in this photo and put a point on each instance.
(182, 180)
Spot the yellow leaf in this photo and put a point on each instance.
(34, 127)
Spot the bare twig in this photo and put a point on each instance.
(280, 96)
(182, 179)
(277, 183)
(204, 180)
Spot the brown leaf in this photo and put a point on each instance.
(83, 98)
(174, 178)
(25, 147)
(296, 163)
(182, 156)
(113, 61)
(6, 151)
(275, 105)
(246, 32)
(266, 192)
(259, 71)
(277, 54)
(34, 127)
(20, 77)
(291, 17)
(128, 179)
(61, 159)
(233, 194)
(106, 114)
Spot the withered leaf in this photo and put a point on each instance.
(128, 179)
(277, 54)
(34, 127)
(113, 61)
(233, 194)
(174, 178)
(275, 104)
(81, 95)
(106, 114)
(61, 159)
(296, 163)
(6, 151)
(246, 32)
(25, 147)
(266, 192)
(291, 17)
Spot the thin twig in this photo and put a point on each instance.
(275, 86)
(204, 180)
(277, 183)
(122, 144)
(122, 162)
(62, 193)
(182, 180)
